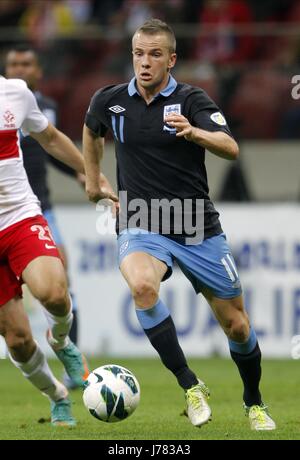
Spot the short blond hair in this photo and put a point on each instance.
(156, 26)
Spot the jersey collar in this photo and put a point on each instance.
(167, 91)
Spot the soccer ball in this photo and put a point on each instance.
(111, 393)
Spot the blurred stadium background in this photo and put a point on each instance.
(244, 53)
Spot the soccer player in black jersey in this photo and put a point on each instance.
(23, 62)
(161, 129)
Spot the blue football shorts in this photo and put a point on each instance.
(209, 264)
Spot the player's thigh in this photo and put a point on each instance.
(14, 323)
(140, 267)
(63, 255)
(45, 274)
(230, 313)
(33, 255)
(10, 285)
(56, 235)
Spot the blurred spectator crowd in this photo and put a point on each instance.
(242, 52)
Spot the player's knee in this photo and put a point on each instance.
(54, 297)
(144, 293)
(20, 343)
(239, 330)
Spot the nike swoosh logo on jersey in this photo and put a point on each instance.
(47, 246)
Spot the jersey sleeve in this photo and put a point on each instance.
(34, 120)
(51, 115)
(204, 113)
(95, 118)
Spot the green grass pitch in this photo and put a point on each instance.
(157, 417)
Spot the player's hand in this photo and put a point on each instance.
(111, 200)
(96, 194)
(106, 187)
(182, 126)
(81, 179)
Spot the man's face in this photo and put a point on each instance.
(152, 60)
(23, 65)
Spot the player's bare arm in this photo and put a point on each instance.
(218, 143)
(104, 182)
(93, 149)
(60, 147)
